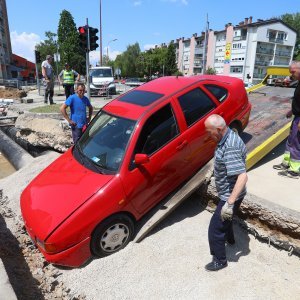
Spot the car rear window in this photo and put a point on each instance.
(141, 98)
(219, 92)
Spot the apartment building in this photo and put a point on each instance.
(5, 45)
(242, 51)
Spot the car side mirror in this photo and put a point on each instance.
(140, 159)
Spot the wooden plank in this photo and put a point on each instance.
(183, 193)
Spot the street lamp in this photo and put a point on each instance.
(107, 48)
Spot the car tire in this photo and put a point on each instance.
(236, 127)
(112, 235)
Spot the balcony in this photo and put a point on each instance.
(262, 63)
(283, 53)
(259, 76)
(199, 50)
(265, 51)
(240, 38)
(281, 63)
(276, 40)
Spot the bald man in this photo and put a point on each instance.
(230, 179)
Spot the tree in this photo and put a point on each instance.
(293, 20)
(171, 66)
(68, 43)
(48, 46)
(210, 71)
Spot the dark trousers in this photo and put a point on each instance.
(69, 90)
(219, 232)
(76, 133)
(49, 91)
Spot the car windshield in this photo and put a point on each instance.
(101, 73)
(105, 141)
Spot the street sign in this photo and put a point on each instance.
(118, 71)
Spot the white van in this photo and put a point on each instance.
(102, 81)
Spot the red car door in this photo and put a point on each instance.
(195, 105)
(168, 151)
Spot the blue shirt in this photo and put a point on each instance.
(78, 109)
(230, 161)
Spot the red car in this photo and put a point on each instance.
(138, 149)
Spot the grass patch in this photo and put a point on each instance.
(46, 109)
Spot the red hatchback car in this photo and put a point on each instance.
(138, 149)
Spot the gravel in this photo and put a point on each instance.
(168, 264)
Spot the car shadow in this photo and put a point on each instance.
(23, 283)
(191, 207)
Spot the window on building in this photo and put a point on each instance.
(236, 69)
(195, 105)
(236, 46)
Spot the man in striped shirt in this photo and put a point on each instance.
(230, 179)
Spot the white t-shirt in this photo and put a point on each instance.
(49, 69)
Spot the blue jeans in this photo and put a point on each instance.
(76, 133)
(219, 232)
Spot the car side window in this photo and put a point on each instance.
(219, 92)
(195, 104)
(158, 130)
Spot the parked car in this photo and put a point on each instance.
(133, 82)
(138, 149)
(285, 82)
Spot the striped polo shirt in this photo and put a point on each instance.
(230, 161)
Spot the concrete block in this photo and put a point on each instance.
(27, 100)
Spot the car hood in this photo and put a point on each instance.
(102, 80)
(56, 193)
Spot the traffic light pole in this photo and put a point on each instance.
(37, 76)
(88, 61)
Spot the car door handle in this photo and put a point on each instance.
(181, 145)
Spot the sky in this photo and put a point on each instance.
(125, 22)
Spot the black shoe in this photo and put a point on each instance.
(289, 174)
(215, 266)
(280, 167)
(52, 103)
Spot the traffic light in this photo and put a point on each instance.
(83, 34)
(37, 56)
(93, 38)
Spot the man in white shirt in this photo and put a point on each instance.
(47, 72)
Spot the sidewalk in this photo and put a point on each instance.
(265, 183)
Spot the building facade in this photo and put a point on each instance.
(5, 45)
(244, 51)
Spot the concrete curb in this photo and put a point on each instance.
(13, 152)
(282, 223)
(6, 290)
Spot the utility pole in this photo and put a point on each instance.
(87, 55)
(100, 36)
(205, 45)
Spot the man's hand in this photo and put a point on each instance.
(227, 212)
(72, 123)
(289, 114)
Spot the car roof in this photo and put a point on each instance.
(164, 87)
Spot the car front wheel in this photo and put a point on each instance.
(112, 235)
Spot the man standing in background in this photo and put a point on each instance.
(48, 76)
(68, 79)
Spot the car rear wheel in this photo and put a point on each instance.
(236, 127)
(112, 235)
